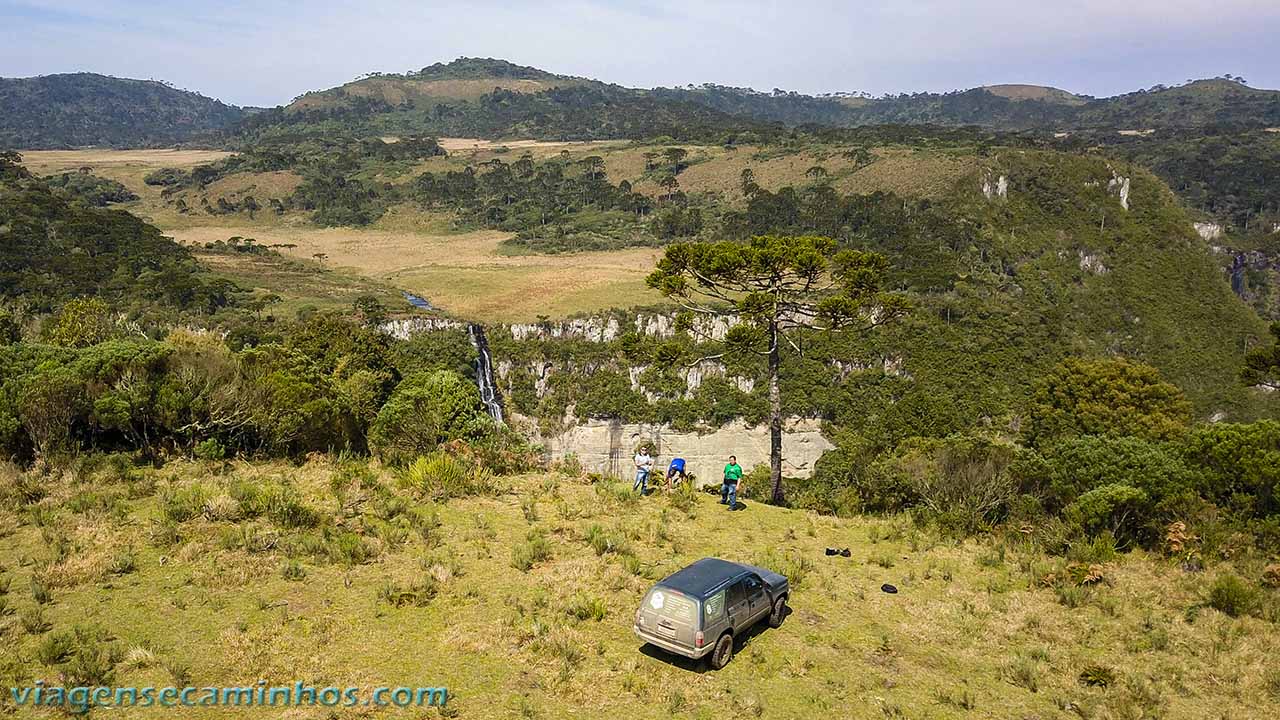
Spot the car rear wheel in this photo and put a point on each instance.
(778, 613)
(723, 652)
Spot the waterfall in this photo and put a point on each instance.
(1237, 274)
(484, 372)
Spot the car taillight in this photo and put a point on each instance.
(639, 618)
(697, 639)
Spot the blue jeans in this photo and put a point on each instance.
(642, 480)
(729, 491)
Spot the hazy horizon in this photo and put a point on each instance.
(265, 54)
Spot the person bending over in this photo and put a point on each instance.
(675, 473)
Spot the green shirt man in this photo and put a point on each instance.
(732, 471)
(732, 477)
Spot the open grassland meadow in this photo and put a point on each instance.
(519, 598)
(443, 382)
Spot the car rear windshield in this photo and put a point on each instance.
(671, 604)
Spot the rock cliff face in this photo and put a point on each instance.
(607, 447)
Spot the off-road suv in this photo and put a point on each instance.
(700, 610)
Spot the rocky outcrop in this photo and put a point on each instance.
(997, 189)
(1119, 185)
(405, 328)
(595, 329)
(606, 447)
(1208, 230)
(1092, 264)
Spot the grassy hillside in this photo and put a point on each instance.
(473, 97)
(520, 603)
(85, 109)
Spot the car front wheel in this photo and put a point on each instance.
(723, 652)
(779, 612)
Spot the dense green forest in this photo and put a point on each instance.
(84, 109)
(57, 249)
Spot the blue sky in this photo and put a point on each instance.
(267, 52)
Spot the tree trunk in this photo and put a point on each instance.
(775, 416)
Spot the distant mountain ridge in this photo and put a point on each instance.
(87, 109)
(493, 98)
(496, 98)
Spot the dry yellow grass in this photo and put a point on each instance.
(45, 162)
(971, 634)
(467, 274)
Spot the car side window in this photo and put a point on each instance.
(714, 606)
(737, 593)
(753, 584)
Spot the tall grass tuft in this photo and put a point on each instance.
(534, 550)
(441, 476)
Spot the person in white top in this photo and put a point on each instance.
(644, 465)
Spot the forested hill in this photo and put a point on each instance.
(479, 97)
(1212, 103)
(85, 109)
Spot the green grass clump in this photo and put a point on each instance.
(418, 593)
(33, 620)
(180, 504)
(293, 571)
(792, 565)
(534, 550)
(585, 607)
(55, 647)
(602, 542)
(40, 591)
(441, 476)
(1097, 676)
(123, 563)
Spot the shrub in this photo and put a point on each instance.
(962, 481)
(55, 647)
(601, 541)
(1114, 508)
(210, 449)
(1109, 396)
(1235, 597)
(425, 411)
(286, 509)
(569, 465)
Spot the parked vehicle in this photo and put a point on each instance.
(700, 610)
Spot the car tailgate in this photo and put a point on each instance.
(670, 615)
